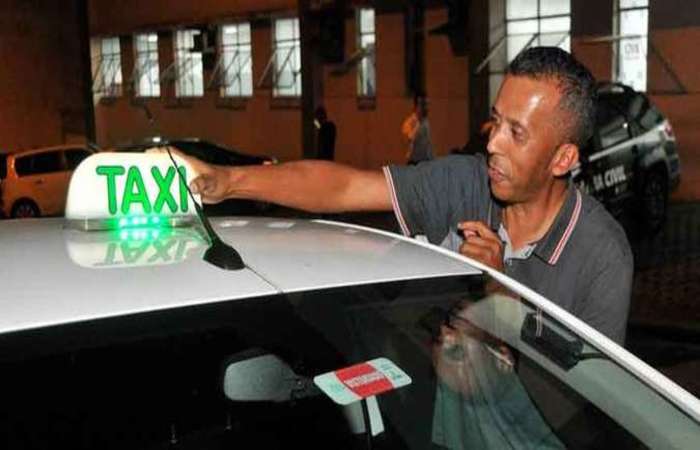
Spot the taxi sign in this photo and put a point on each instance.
(367, 379)
(130, 190)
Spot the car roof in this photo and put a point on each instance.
(55, 275)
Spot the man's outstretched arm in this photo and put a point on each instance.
(316, 186)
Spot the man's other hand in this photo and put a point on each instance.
(482, 244)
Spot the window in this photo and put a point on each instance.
(287, 55)
(236, 60)
(107, 80)
(631, 24)
(189, 69)
(527, 23)
(534, 23)
(366, 75)
(146, 69)
(40, 163)
(74, 156)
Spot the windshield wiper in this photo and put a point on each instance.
(219, 253)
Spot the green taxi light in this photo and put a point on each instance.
(139, 222)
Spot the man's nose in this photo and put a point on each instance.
(492, 145)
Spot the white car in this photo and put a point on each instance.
(132, 330)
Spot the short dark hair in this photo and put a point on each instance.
(576, 84)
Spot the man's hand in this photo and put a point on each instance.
(211, 181)
(481, 244)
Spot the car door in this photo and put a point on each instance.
(51, 181)
(38, 178)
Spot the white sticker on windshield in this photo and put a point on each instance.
(363, 380)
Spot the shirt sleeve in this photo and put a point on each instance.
(427, 197)
(606, 306)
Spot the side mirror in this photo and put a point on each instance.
(256, 376)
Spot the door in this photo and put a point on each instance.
(40, 178)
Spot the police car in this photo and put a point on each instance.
(135, 322)
(631, 163)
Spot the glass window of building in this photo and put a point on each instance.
(107, 80)
(632, 27)
(287, 56)
(366, 74)
(189, 69)
(147, 73)
(236, 60)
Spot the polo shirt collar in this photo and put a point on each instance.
(551, 246)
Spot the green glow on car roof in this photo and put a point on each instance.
(138, 221)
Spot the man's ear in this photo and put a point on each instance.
(565, 158)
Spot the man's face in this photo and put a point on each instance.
(525, 132)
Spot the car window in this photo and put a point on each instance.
(39, 163)
(650, 117)
(487, 371)
(75, 156)
(47, 162)
(611, 126)
(23, 165)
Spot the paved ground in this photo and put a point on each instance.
(664, 327)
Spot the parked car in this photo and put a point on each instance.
(326, 335)
(34, 182)
(214, 154)
(631, 164)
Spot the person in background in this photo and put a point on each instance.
(325, 142)
(416, 130)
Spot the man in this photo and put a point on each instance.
(416, 130)
(515, 210)
(325, 143)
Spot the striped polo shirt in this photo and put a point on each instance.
(583, 263)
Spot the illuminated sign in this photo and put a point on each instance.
(118, 190)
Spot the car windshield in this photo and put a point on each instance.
(487, 370)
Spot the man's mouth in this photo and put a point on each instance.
(495, 174)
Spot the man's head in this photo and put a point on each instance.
(420, 106)
(320, 114)
(543, 114)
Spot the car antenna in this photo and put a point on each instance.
(219, 253)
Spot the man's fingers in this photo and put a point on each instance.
(478, 228)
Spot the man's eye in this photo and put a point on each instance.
(518, 135)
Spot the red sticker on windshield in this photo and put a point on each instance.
(364, 380)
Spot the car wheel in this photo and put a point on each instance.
(654, 200)
(25, 209)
